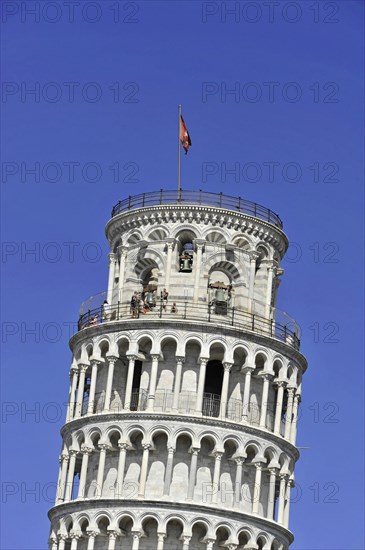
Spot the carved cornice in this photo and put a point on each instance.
(193, 326)
(161, 507)
(211, 422)
(198, 214)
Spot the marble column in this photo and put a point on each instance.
(122, 261)
(192, 473)
(64, 459)
(123, 448)
(216, 476)
(201, 383)
(136, 535)
(101, 467)
(177, 386)
(94, 372)
(289, 485)
(160, 541)
(62, 541)
(112, 539)
(111, 278)
(70, 475)
(282, 495)
(170, 242)
(109, 383)
(293, 430)
(91, 539)
(238, 481)
(279, 405)
(251, 287)
(75, 537)
(257, 488)
(247, 370)
(271, 494)
(289, 412)
(128, 389)
(153, 381)
(144, 470)
(225, 386)
(81, 388)
(265, 394)
(86, 452)
(199, 244)
(72, 395)
(270, 278)
(168, 474)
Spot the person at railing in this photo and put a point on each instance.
(164, 298)
(174, 308)
(106, 311)
(134, 306)
(94, 321)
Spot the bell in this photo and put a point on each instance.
(185, 264)
(219, 295)
(149, 298)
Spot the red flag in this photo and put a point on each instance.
(184, 136)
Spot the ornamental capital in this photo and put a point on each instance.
(171, 450)
(73, 371)
(92, 533)
(195, 450)
(280, 383)
(180, 359)
(146, 446)
(247, 368)
(155, 356)
(203, 360)
(218, 455)
(103, 447)
(266, 374)
(64, 457)
(112, 358)
(95, 361)
(254, 256)
(86, 450)
(113, 258)
(290, 390)
(73, 452)
(83, 366)
(76, 535)
(123, 446)
(227, 366)
(239, 460)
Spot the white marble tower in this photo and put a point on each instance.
(181, 423)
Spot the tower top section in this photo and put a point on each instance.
(210, 210)
(181, 198)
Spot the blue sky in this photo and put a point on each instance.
(102, 124)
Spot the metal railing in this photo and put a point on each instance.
(163, 402)
(205, 313)
(197, 197)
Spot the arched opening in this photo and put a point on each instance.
(185, 247)
(199, 532)
(213, 388)
(222, 536)
(149, 526)
(138, 397)
(174, 530)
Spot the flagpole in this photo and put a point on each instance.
(178, 157)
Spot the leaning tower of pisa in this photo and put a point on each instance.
(184, 385)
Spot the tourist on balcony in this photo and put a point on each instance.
(134, 306)
(174, 308)
(164, 298)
